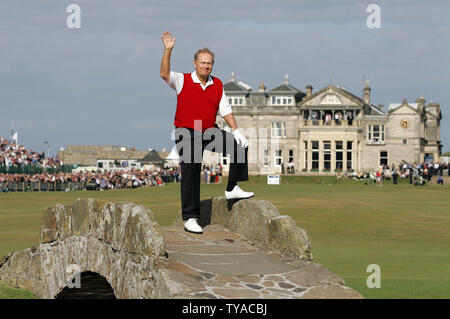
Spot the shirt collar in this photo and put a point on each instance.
(197, 80)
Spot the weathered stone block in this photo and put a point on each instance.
(219, 211)
(80, 213)
(49, 229)
(290, 240)
(250, 218)
(64, 220)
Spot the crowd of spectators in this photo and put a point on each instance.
(417, 173)
(212, 174)
(14, 155)
(100, 181)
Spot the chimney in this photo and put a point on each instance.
(420, 104)
(435, 109)
(420, 100)
(309, 89)
(262, 87)
(366, 93)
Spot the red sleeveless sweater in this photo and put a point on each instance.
(194, 103)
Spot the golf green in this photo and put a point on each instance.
(404, 229)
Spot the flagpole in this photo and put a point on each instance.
(14, 135)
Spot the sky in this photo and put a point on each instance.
(99, 84)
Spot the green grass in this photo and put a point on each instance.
(7, 292)
(402, 228)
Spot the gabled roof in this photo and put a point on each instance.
(232, 86)
(395, 106)
(286, 87)
(151, 157)
(338, 90)
(163, 154)
(235, 86)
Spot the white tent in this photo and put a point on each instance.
(173, 159)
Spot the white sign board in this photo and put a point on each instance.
(273, 179)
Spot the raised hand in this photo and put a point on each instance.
(169, 43)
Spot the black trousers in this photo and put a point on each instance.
(190, 146)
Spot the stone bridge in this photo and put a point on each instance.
(248, 250)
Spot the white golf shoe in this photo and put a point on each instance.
(237, 192)
(192, 226)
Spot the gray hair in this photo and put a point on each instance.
(204, 50)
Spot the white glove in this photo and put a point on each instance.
(240, 138)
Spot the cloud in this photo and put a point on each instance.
(105, 76)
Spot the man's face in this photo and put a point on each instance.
(204, 64)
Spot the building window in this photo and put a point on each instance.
(383, 157)
(375, 133)
(326, 155)
(236, 100)
(339, 155)
(281, 100)
(405, 141)
(306, 155)
(315, 155)
(278, 157)
(266, 157)
(291, 156)
(278, 129)
(349, 155)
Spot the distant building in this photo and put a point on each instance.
(118, 164)
(331, 130)
(88, 154)
(107, 157)
(151, 161)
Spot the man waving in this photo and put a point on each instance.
(199, 97)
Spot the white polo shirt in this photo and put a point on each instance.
(176, 83)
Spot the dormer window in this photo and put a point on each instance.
(282, 100)
(330, 99)
(236, 100)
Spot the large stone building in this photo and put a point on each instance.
(330, 130)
